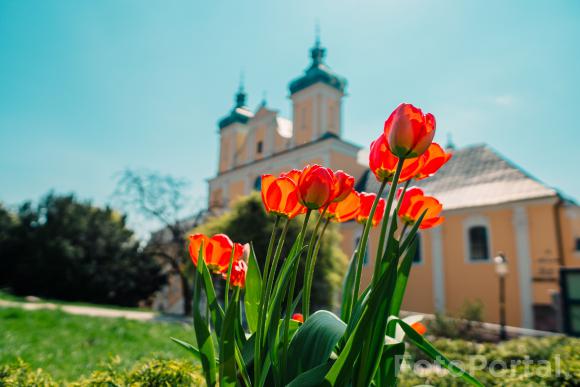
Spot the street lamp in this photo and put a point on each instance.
(501, 268)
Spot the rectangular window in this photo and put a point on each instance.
(577, 244)
(478, 243)
(417, 258)
(259, 147)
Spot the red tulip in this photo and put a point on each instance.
(343, 185)
(366, 203)
(315, 186)
(238, 274)
(433, 159)
(415, 203)
(345, 210)
(408, 131)
(383, 163)
(280, 196)
(298, 317)
(420, 328)
(217, 251)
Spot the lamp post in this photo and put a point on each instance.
(501, 269)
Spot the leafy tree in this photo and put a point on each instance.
(247, 221)
(161, 198)
(67, 249)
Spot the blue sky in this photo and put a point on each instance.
(90, 88)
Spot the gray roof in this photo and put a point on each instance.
(478, 176)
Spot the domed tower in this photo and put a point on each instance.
(233, 130)
(317, 100)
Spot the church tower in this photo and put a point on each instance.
(316, 100)
(233, 131)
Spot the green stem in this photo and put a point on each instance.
(363, 245)
(262, 314)
(277, 255)
(386, 217)
(228, 277)
(290, 298)
(310, 277)
(309, 266)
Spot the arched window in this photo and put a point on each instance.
(258, 183)
(478, 240)
(259, 147)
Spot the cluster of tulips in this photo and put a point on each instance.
(277, 344)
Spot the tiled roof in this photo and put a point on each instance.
(478, 176)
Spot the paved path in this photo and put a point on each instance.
(83, 310)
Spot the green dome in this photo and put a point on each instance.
(240, 113)
(317, 72)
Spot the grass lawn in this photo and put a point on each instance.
(69, 346)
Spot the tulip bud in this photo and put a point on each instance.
(343, 185)
(366, 204)
(315, 187)
(408, 131)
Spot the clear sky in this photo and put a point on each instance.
(88, 88)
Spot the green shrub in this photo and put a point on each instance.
(247, 221)
(20, 374)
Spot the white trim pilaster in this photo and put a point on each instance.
(521, 229)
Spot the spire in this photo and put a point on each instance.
(241, 94)
(450, 145)
(264, 100)
(317, 52)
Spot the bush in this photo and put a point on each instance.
(465, 325)
(151, 373)
(247, 221)
(20, 374)
(66, 249)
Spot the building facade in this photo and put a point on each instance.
(490, 204)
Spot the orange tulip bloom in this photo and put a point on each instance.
(315, 186)
(298, 317)
(343, 185)
(216, 251)
(433, 159)
(415, 203)
(280, 196)
(238, 274)
(293, 174)
(345, 210)
(420, 328)
(366, 203)
(383, 163)
(408, 131)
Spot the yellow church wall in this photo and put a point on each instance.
(470, 281)
(260, 136)
(333, 117)
(225, 149)
(419, 296)
(339, 160)
(236, 189)
(570, 220)
(544, 251)
(303, 122)
(242, 149)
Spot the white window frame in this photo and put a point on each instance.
(476, 221)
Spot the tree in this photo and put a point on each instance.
(71, 250)
(247, 221)
(161, 198)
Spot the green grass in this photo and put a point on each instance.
(69, 346)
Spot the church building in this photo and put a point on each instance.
(490, 204)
